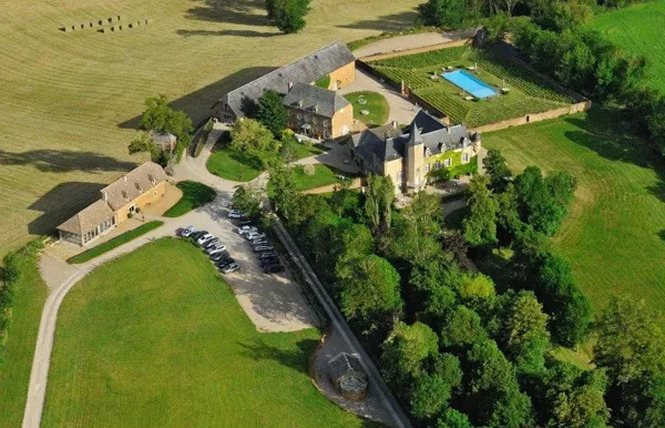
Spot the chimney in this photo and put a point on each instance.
(315, 108)
(290, 85)
(124, 178)
(300, 103)
(395, 124)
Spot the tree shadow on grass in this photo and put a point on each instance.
(604, 132)
(296, 359)
(47, 160)
(60, 203)
(198, 104)
(393, 22)
(239, 12)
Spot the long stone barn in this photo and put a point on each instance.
(118, 201)
(319, 111)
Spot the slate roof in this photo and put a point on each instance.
(307, 97)
(163, 138)
(88, 218)
(134, 184)
(424, 129)
(305, 70)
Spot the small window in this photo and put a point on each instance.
(437, 165)
(399, 177)
(465, 158)
(448, 162)
(427, 167)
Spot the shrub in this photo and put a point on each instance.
(309, 169)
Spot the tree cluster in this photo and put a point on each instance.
(288, 15)
(158, 116)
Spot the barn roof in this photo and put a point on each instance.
(134, 184)
(304, 70)
(306, 97)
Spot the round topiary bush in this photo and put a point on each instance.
(309, 169)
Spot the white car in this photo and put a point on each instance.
(246, 229)
(202, 240)
(255, 235)
(187, 231)
(216, 249)
(235, 214)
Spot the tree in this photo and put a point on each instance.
(370, 294)
(480, 226)
(453, 419)
(497, 168)
(249, 136)
(405, 352)
(475, 287)
(463, 327)
(379, 198)
(288, 15)
(415, 240)
(282, 191)
(271, 112)
(572, 397)
(631, 347)
(525, 337)
(429, 395)
(247, 198)
(449, 14)
(158, 116)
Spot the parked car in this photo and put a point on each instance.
(262, 248)
(260, 241)
(204, 238)
(196, 235)
(273, 269)
(268, 261)
(216, 249)
(235, 214)
(221, 256)
(267, 254)
(187, 231)
(211, 243)
(230, 268)
(246, 229)
(225, 262)
(255, 235)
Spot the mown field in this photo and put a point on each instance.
(528, 93)
(70, 100)
(614, 235)
(639, 30)
(172, 347)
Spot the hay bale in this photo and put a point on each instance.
(138, 23)
(112, 27)
(309, 169)
(109, 19)
(118, 17)
(65, 29)
(119, 27)
(73, 27)
(100, 22)
(131, 25)
(148, 20)
(91, 25)
(82, 26)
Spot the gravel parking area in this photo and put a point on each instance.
(274, 302)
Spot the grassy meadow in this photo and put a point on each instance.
(614, 234)
(172, 347)
(639, 30)
(70, 100)
(16, 363)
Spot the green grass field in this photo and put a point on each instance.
(30, 295)
(172, 347)
(119, 240)
(528, 93)
(375, 104)
(193, 196)
(614, 235)
(639, 30)
(323, 176)
(70, 100)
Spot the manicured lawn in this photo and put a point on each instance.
(16, 363)
(230, 164)
(639, 30)
(194, 195)
(156, 338)
(528, 93)
(87, 89)
(375, 103)
(107, 246)
(614, 235)
(323, 176)
(301, 150)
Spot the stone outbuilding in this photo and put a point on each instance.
(118, 201)
(348, 376)
(317, 112)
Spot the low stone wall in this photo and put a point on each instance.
(436, 47)
(355, 184)
(536, 117)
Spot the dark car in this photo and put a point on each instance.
(273, 269)
(225, 262)
(268, 261)
(220, 256)
(260, 241)
(262, 248)
(196, 235)
(245, 222)
(267, 254)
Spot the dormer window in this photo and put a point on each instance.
(151, 178)
(138, 187)
(427, 152)
(124, 195)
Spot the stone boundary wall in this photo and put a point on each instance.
(535, 117)
(436, 47)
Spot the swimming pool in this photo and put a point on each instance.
(469, 83)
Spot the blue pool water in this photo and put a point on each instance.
(471, 84)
